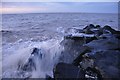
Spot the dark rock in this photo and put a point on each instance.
(98, 33)
(107, 36)
(73, 37)
(93, 74)
(89, 39)
(117, 35)
(107, 62)
(88, 32)
(81, 31)
(89, 27)
(63, 70)
(6, 31)
(30, 65)
(97, 56)
(71, 49)
(72, 46)
(36, 52)
(108, 28)
(85, 37)
(97, 26)
(48, 78)
(77, 60)
(104, 57)
(104, 44)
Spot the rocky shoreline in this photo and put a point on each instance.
(94, 54)
(91, 53)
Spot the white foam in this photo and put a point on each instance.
(83, 35)
(51, 50)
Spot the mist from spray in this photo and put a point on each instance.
(50, 51)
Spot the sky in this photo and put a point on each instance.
(46, 6)
(60, 0)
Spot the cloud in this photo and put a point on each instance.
(60, 0)
(39, 7)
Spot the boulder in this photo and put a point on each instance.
(72, 45)
(96, 51)
(30, 64)
(68, 71)
(108, 28)
(97, 26)
(71, 49)
(104, 56)
(79, 58)
(110, 43)
(107, 62)
(89, 27)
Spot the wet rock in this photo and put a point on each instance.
(73, 30)
(36, 52)
(81, 36)
(117, 36)
(72, 45)
(63, 70)
(93, 74)
(71, 49)
(108, 28)
(88, 32)
(48, 78)
(104, 57)
(30, 64)
(5, 31)
(97, 32)
(96, 52)
(107, 36)
(80, 57)
(97, 26)
(89, 27)
(107, 62)
(86, 62)
(110, 43)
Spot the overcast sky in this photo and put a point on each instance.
(60, 0)
(38, 6)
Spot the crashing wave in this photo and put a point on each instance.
(32, 59)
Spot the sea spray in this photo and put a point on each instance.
(50, 51)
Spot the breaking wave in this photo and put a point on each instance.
(20, 54)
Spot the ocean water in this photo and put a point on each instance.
(45, 31)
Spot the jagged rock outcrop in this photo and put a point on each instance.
(98, 57)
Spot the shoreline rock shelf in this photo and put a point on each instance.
(93, 51)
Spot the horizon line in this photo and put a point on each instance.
(60, 12)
